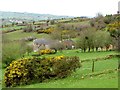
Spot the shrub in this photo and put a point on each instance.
(47, 31)
(63, 66)
(46, 51)
(34, 69)
(16, 73)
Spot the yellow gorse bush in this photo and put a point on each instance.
(49, 30)
(59, 57)
(15, 70)
(37, 69)
(56, 58)
(46, 51)
(113, 26)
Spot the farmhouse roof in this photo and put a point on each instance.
(68, 41)
(41, 41)
(44, 41)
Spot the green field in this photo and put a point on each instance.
(102, 81)
(84, 77)
(108, 80)
(105, 73)
(17, 35)
(11, 28)
(83, 55)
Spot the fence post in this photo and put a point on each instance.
(93, 66)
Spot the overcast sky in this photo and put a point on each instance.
(61, 7)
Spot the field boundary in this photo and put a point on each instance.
(101, 59)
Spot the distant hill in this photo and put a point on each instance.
(29, 16)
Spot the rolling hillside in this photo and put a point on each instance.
(29, 16)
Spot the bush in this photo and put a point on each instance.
(29, 70)
(47, 31)
(46, 51)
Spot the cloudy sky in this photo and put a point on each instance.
(61, 7)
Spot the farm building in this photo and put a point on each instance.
(43, 43)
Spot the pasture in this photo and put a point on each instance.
(104, 75)
(84, 77)
(96, 71)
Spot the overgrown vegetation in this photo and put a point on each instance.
(28, 70)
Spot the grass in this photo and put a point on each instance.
(11, 28)
(99, 66)
(82, 55)
(71, 82)
(108, 80)
(80, 23)
(17, 35)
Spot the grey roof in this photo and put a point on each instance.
(44, 41)
(68, 41)
(41, 41)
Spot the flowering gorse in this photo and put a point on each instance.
(46, 51)
(37, 69)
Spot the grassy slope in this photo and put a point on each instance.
(98, 81)
(74, 81)
(82, 56)
(19, 34)
(12, 27)
(80, 23)
(71, 82)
